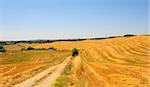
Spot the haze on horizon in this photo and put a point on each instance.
(62, 19)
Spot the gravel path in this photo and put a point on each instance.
(47, 82)
(43, 79)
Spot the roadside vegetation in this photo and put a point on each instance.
(74, 52)
(63, 80)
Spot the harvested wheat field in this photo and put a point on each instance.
(112, 62)
(17, 66)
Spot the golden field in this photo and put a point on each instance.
(112, 62)
(17, 66)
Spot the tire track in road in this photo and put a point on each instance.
(55, 71)
(30, 82)
(47, 81)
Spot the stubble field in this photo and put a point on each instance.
(113, 62)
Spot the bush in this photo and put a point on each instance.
(2, 49)
(51, 48)
(23, 48)
(29, 48)
(74, 52)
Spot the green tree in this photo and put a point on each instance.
(74, 52)
(2, 49)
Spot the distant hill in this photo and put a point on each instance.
(57, 40)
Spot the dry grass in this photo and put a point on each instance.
(17, 65)
(113, 62)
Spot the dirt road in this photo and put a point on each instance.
(47, 77)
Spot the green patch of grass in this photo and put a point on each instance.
(63, 79)
(68, 68)
(14, 60)
(43, 56)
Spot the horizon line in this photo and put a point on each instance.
(77, 38)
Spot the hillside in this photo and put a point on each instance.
(112, 62)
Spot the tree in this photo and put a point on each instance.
(74, 52)
(2, 49)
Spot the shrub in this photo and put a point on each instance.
(2, 49)
(30, 48)
(74, 52)
(23, 48)
(51, 48)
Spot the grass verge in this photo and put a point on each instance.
(63, 79)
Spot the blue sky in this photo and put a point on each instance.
(58, 19)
